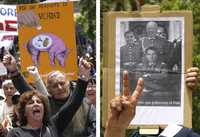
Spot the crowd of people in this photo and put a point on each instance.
(72, 106)
(55, 108)
(58, 107)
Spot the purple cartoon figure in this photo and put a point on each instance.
(47, 42)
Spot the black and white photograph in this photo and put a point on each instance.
(152, 48)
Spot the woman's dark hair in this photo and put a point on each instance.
(24, 98)
(15, 99)
(92, 81)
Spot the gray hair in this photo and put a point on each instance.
(6, 82)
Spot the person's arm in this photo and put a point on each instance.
(18, 80)
(12, 133)
(65, 114)
(122, 109)
(20, 83)
(38, 80)
(62, 118)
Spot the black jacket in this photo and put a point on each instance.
(61, 119)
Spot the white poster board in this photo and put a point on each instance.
(159, 59)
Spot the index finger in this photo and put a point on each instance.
(125, 83)
(138, 91)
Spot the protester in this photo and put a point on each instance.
(84, 121)
(91, 100)
(6, 105)
(58, 88)
(91, 92)
(33, 115)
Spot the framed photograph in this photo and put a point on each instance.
(158, 48)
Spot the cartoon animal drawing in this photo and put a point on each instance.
(47, 42)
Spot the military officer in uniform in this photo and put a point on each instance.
(151, 63)
(152, 39)
(161, 33)
(130, 57)
(131, 53)
(158, 82)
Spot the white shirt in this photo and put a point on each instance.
(5, 111)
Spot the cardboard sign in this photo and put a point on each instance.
(51, 46)
(126, 36)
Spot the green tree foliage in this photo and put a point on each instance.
(88, 17)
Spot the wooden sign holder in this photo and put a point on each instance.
(109, 61)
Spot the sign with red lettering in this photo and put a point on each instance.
(8, 27)
(8, 19)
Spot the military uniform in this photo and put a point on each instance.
(130, 57)
(163, 47)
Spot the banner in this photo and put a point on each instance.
(47, 37)
(8, 27)
(8, 19)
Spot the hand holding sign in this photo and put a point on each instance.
(192, 77)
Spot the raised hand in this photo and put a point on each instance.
(10, 63)
(123, 108)
(33, 71)
(192, 77)
(84, 69)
